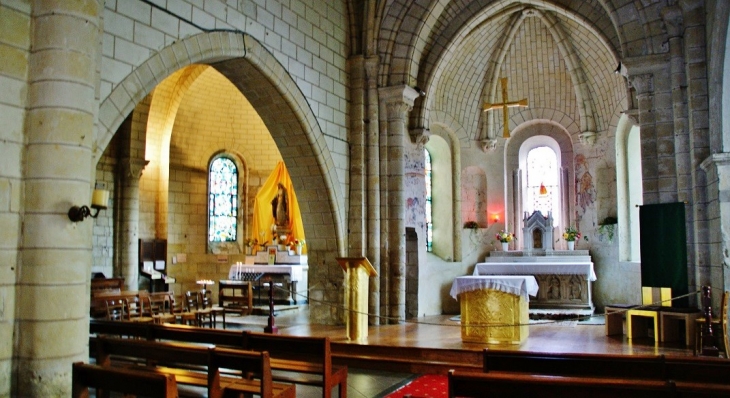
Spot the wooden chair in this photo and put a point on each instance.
(202, 305)
(181, 311)
(160, 306)
(116, 309)
(637, 318)
(137, 312)
(719, 325)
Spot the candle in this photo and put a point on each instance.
(100, 199)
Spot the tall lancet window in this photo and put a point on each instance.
(222, 200)
(428, 210)
(543, 191)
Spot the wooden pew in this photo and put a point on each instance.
(190, 364)
(308, 358)
(576, 364)
(511, 384)
(654, 367)
(126, 381)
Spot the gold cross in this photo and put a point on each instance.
(504, 105)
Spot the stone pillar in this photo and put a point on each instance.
(698, 135)
(52, 304)
(644, 96)
(130, 171)
(456, 194)
(399, 101)
(373, 184)
(357, 198)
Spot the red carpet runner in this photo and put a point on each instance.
(427, 386)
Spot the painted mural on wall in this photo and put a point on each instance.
(474, 195)
(584, 185)
(415, 189)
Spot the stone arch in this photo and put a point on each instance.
(274, 95)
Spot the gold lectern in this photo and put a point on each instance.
(357, 271)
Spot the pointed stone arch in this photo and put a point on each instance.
(274, 95)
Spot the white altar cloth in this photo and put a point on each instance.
(295, 272)
(536, 268)
(522, 285)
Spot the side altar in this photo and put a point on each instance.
(288, 271)
(564, 277)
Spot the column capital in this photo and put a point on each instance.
(420, 136)
(372, 64)
(643, 84)
(132, 167)
(673, 20)
(488, 145)
(587, 138)
(399, 94)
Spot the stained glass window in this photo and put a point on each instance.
(542, 182)
(429, 219)
(222, 200)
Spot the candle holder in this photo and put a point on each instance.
(99, 201)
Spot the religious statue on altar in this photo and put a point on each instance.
(280, 207)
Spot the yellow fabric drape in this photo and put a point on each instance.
(263, 218)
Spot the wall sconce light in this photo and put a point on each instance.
(495, 218)
(99, 201)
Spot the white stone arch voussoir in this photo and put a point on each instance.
(273, 94)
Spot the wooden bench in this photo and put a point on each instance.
(512, 384)
(575, 364)
(308, 358)
(126, 381)
(654, 367)
(195, 365)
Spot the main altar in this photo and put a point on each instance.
(564, 277)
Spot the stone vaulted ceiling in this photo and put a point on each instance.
(560, 55)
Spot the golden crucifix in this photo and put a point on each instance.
(504, 105)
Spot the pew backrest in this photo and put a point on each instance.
(512, 384)
(576, 364)
(126, 381)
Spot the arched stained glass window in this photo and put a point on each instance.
(428, 210)
(542, 182)
(222, 200)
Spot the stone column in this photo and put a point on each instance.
(698, 134)
(373, 184)
(52, 304)
(357, 198)
(645, 98)
(399, 101)
(130, 171)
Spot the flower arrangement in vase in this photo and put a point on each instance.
(571, 235)
(251, 244)
(505, 238)
(296, 245)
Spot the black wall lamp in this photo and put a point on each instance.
(99, 201)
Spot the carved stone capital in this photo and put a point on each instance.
(420, 136)
(642, 83)
(132, 168)
(399, 100)
(488, 145)
(587, 138)
(673, 20)
(372, 64)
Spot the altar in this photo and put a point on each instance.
(287, 270)
(564, 279)
(494, 309)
